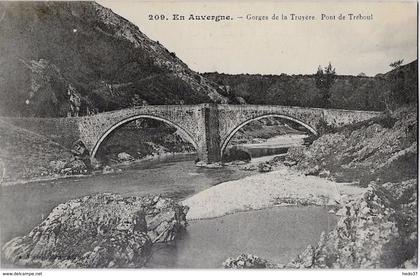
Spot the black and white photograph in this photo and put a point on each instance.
(178, 134)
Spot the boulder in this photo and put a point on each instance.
(123, 156)
(264, 167)
(248, 261)
(75, 167)
(165, 220)
(99, 231)
(107, 169)
(57, 165)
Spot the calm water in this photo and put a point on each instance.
(23, 206)
(277, 233)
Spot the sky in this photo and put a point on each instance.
(280, 46)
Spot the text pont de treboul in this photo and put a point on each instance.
(253, 17)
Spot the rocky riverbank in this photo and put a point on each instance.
(377, 229)
(383, 149)
(99, 231)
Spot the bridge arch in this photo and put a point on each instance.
(185, 133)
(236, 129)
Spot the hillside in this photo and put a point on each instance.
(347, 92)
(77, 58)
(383, 149)
(25, 154)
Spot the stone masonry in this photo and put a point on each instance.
(209, 127)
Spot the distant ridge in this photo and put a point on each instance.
(348, 92)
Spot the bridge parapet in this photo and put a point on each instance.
(341, 117)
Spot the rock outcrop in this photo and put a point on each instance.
(373, 232)
(381, 150)
(99, 231)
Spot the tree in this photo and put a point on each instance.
(397, 63)
(324, 79)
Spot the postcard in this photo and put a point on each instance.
(208, 134)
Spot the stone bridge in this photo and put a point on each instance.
(209, 127)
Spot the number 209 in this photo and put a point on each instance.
(157, 17)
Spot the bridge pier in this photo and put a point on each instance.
(209, 148)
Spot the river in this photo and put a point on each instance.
(25, 205)
(277, 234)
(272, 146)
(270, 233)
